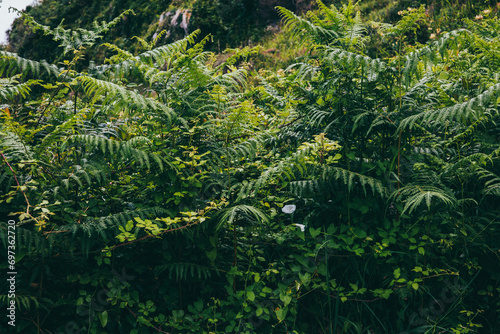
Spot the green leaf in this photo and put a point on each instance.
(281, 313)
(397, 273)
(129, 226)
(414, 285)
(314, 232)
(250, 296)
(211, 254)
(286, 299)
(104, 318)
(360, 233)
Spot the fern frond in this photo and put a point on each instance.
(415, 195)
(184, 271)
(148, 63)
(69, 127)
(350, 60)
(11, 64)
(332, 14)
(89, 171)
(237, 54)
(464, 112)
(431, 53)
(271, 91)
(303, 71)
(284, 170)
(163, 53)
(74, 39)
(107, 227)
(316, 116)
(33, 240)
(11, 91)
(246, 149)
(234, 80)
(351, 179)
(120, 97)
(234, 213)
(14, 146)
(330, 175)
(121, 54)
(491, 182)
(300, 26)
(24, 302)
(122, 149)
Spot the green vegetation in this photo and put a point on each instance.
(168, 189)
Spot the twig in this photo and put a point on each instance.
(19, 186)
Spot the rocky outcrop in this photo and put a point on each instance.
(173, 21)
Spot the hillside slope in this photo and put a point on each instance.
(232, 23)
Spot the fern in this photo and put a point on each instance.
(448, 41)
(11, 90)
(149, 62)
(415, 195)
(303, 71)
(163, 53)
(344, 28)
(32, 240)
(184, 271)
(67, 128)
(332, 14)
(308, 188)
(491, 182)
(300, 26)
(232, 214)
(76, 39)
(123, 150)
(24, 302)
(11, 64)
(106, 227)
(463, 112)
(284, 170)
(120, 97)
(13, 146)
(246, 149)
(350, 179)
(351, 61)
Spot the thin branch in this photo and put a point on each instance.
(19, 187)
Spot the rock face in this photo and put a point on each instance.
(171, 20)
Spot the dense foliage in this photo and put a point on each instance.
(164, 191)
(231, 23)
